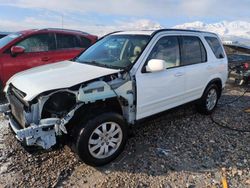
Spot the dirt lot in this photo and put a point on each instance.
(180, 148)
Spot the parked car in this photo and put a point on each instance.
(120, 80)
(3, 34)
(26, 49)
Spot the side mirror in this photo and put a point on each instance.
(155, 65)
(15, 50)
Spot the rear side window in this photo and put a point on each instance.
(38, 43)
(67, 41)
(192, 50)
(85, 42)
(215, 46)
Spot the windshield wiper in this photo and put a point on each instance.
(99, 64)
(87, 62)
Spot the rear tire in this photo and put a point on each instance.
(101, 138)
(209, 100)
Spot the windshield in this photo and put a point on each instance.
(115, 51)
(7, 39)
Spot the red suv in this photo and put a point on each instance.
(26, 49)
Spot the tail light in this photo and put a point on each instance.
(246, 66)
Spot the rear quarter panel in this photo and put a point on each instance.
(220, 66)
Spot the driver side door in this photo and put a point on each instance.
(38, 51)
(160, 91)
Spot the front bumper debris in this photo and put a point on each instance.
(43, 135)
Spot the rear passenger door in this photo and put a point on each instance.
(67, 46)
(194, 59)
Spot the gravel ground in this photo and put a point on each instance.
(180, 148)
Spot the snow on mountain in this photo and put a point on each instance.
(236, 31)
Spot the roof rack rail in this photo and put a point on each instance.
(187, 30)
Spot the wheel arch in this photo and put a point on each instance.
(88, 111)
(217, 82)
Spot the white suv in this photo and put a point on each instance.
(123, 78)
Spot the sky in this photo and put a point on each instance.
(102, 16)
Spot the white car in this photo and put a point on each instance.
(123, 78)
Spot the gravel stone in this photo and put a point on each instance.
(179, 148)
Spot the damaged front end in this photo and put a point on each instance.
(40, 121)
(29, 124)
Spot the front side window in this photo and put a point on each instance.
(192, 50)
(67, 41)
(38, 43)
(115, 51)
(216, 47)
(167, 49)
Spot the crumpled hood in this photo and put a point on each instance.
(55, 76)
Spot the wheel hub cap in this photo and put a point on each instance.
(211, 99)
(105, 140)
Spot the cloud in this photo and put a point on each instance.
(108, 7)
(100, 30)
(197, 8)
(168, 9)
(236, 31)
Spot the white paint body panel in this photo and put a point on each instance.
(55, 76)
(159, 91)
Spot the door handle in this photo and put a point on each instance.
(45, 58)
(179, 74)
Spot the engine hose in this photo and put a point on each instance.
(227, 103)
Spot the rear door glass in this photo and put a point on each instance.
(85, 42)
(192, 50)
(65, 41)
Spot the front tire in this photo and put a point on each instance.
(101, 139)
(209, 100)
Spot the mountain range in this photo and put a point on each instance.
(233, 32)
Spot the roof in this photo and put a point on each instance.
(24, 32)
(142, 32)
(27, 31)
(64, 30)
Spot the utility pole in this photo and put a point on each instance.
(62, 21)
